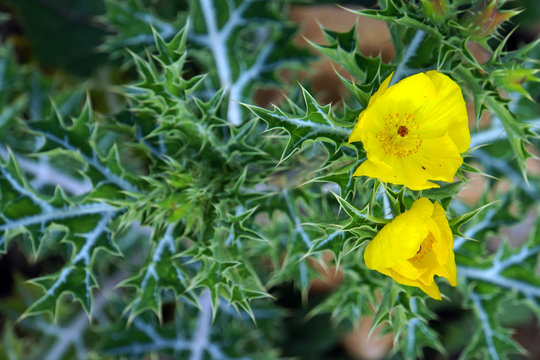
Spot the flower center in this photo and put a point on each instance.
(400, 136)
(402, 131)
(425, 248)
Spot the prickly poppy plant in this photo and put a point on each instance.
(175, 184)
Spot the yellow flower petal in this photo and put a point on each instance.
(441, 231)
(414, 247)
(448, 108)
(382, 89)
(407, 270)
(446, 244)
(355, 134)
(400, 278)
(414, 131)
(407, 95)
(371, 167)
(401, 240)
(451, 270)
(426, 260)
(431, 289)
(438, 160)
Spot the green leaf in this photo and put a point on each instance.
(359, 217)
(401, 13)
(11, 345)
(456, 223)
(313, 123)
(516, 132)
(160, 273)
(246, 42)
(445, 194)
(341, 176)
(73, 141)
(191, 332)
(350, 301)
(133, 23)
(490, 340)
(388, 301)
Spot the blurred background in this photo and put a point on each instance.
(64, 40)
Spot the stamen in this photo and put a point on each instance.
(403, 142)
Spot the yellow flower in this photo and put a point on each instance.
(414, 131)
(415, 246)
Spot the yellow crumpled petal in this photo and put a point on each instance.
(414, 247)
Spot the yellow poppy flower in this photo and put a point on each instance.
(415, 246)
(414, 131)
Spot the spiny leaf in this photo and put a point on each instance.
(367, 72)
(387, 304)
(516, 132)
(460, 220)
(160, 273)
(400, 13)
(490, 340)
(59, 138)
(223, 275)
(134, 24)
(358, 217)
(313, 123)
(350, 301)
(76, 278)
(417, 333)
(238, 64)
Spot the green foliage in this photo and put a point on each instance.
(313, 123)
(204, 212)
